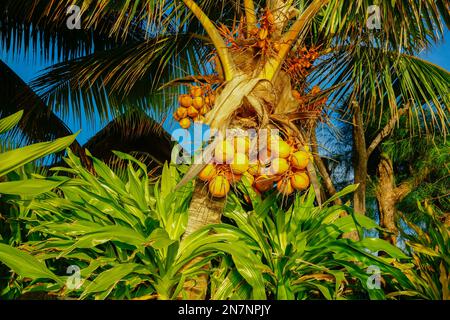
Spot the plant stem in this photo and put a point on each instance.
(273, 65)
(250, 14)
(224, 55)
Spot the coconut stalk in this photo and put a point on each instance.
(253, 83)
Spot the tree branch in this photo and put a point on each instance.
(331, 190)
(386, 131)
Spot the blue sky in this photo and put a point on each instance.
(28, 68)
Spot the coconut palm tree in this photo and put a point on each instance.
(261, 52)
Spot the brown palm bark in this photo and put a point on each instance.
(203, 211)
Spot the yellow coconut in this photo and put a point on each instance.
(280, 149)
(219, 186)
(279, 166)
(263, 183)
(299, 160)
(223, 153)
(185, 100)
(182, 112)
(197, 102)
(241, 144)
(240, 163)
(284, 187)
(192, 112)
(196, 91)
(300, 181)
(185, 123)
(208, 172)
(204, 110)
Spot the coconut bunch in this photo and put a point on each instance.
(282, 165)
(194, 106)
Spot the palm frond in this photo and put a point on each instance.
(125, 76)
(38, 123)
(27, 26)
(383, 81)
(406, 26)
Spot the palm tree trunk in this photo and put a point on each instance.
(203, 211)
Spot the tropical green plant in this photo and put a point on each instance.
(303, 252)
(11, 162)
(428, 243)
(370, 76)
(126, 237)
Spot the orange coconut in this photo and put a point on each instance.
(280, 148)
(299, 160)
(232, 177)
(181, 112)
(185, 123)
(197, 102)
(300, 181)
(219, 186)
(185, 100)
(239, 164)
(196, 91)
(223, 153)
(192, 112)
(208, 173)
(284, 187)
(279, 166)
(263, 183)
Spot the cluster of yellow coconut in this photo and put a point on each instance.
(282, 165)
(193, 106)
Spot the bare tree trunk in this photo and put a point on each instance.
(202, 211)
(389, 195)
(386, 197)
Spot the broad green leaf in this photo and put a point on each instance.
(14, 159)
(29, 187)
(109, 278)
(375, 244)
(25, 264)
(159, 239)
(111, 233)
(348, 189)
